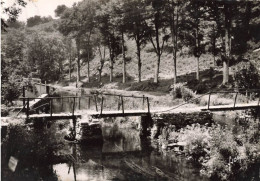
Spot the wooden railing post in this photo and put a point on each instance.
(73, 106)
(61, 103)
(122, 102)
(258, 108)
(143, 101)
(27, 109)
(23, 96)
(235, 99)
(133, 101)
(148, 104)
(96, 102)
(118, 104)
(88, 102)
(79, 103)
(40, 88)
(51, 106)
(101, 110)
(209, 100)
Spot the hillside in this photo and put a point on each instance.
(186, 65)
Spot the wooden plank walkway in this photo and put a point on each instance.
(253, 105)
(53, 116)
(94, 114)
(119, 113)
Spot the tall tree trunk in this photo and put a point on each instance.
(70, 67)
(124, 61)
(214, 46)
(88, 80)
(198, 69)
(139, 60)
(174, 34)
(174, 54)
(227, 45)
(78, 67)
(197, 43)
(157, 68)
(111, 70)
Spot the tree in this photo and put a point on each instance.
(157, 29)
(47, 54)
(36, 20)
(12, 12)
(173, 9)
(118, 20)
(136, 27)
(78, 23)
(196, 21)
(60, 9)
(109, 36)
(13, 54)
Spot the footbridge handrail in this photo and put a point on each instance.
(215, 92)
(50, 100)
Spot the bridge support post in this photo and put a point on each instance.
(27, 109)
(96, 102)
(235, 99)
(51, 107)
(73, 109)
(209, 100)
(23, 96)
(143, 102)
(102, 99)
(79, 103)
(122, 102)
(148, 104)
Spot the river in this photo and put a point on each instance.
(122, 155)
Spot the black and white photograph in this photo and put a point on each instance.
(130, 90)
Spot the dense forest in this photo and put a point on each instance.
(133, 38)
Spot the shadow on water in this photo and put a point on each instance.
(43, 154)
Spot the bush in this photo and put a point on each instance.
(197, 139)
(187, 94)
(10, 91)
(224, 153)
(247, 78)
(177, 90)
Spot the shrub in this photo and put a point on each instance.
(187, 94)
(201, 88)
(247, 78)
(176, 90)
(10, 91)
(179, 91)
(197, 140)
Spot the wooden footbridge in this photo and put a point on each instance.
(113, 105)
(95, 105)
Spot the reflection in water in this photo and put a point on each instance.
(124, 156)
(121, 156)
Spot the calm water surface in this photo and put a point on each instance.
(121, 156)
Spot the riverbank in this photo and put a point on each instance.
(224, 152)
